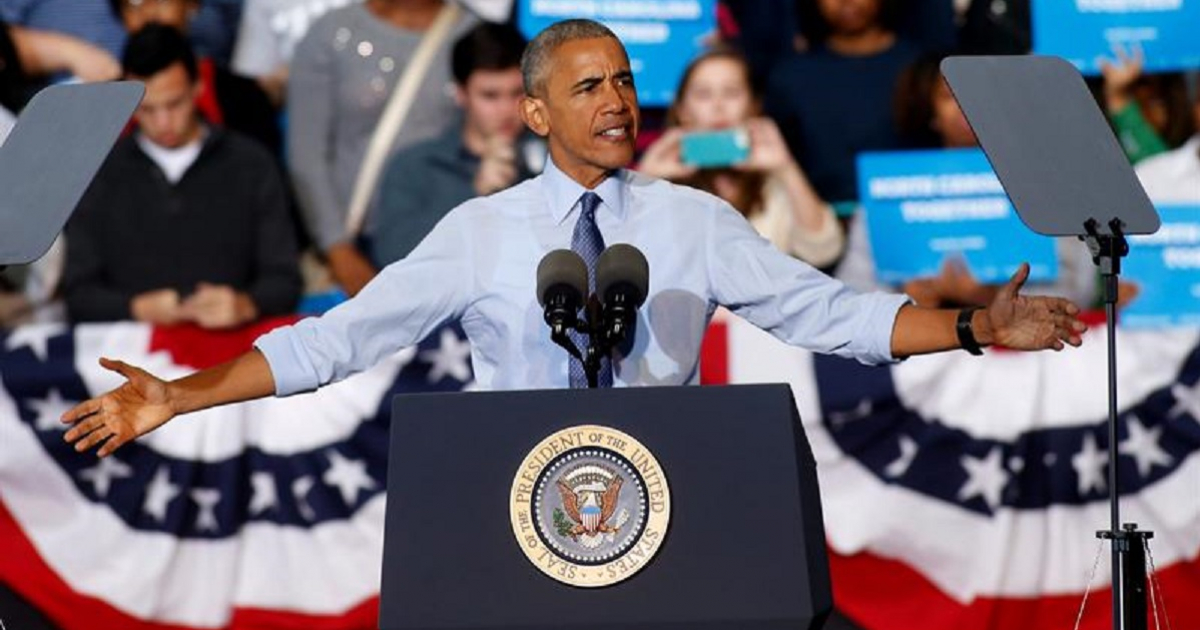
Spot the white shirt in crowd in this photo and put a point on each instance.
(271, 29)
(174, 163)
(1174, 176)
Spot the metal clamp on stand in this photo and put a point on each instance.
(1129, 547)
(1107, 251)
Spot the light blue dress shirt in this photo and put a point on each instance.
(479, 264)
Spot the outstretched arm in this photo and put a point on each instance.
(1012, 320)
(146, 402)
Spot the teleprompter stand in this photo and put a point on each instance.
(1067, 176)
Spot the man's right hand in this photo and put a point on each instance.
(350, 268)
(139, 406)
(157, 307)
(497, 167)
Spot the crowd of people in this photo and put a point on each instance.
(289, 148)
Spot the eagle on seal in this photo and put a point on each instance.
(589, 509)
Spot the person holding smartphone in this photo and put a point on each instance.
(720, 143)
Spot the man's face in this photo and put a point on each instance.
(491, 100)
(136, 14)
(588, 109)
(167, 114)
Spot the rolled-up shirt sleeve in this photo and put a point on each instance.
(793, 301)
(405, 302)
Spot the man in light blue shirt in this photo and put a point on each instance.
(479, 264)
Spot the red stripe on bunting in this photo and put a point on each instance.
(714, 355)
(24, 571)
(195, 347)
(877, 593)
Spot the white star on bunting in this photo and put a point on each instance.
(348, 475)
(159, 494)
(450, 359)
(101, 475)
(265, 496)
(49, 411)
(985, 478)
(1187, 400)
(207, 499)
(1090, 465)
(908, 453)
(1142, 446)
(36, 336)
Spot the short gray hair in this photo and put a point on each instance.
(537, 53)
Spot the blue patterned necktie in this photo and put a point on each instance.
(588, 243)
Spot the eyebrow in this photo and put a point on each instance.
(586, 83)
(591, 81)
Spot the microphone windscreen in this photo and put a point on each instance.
(561, 267)
(623, 264)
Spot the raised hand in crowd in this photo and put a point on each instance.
(1120, 75)
(350, 268)
(217, 307)
(497, 165)
(954, 285)
(770, 155)
(664, 160)
(45, 52)
(768, 151)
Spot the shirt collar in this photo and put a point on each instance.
(563, 193)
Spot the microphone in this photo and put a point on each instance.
(622, 282)
(562, 283)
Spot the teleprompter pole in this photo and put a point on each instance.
(1128, 544)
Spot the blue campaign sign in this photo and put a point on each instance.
(1080, 31)
(1165, 266)
(923, 207)
(662, 36)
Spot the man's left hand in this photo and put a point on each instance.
(1028, 323)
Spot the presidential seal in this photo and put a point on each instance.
(590, 506)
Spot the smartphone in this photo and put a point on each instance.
(715, 149)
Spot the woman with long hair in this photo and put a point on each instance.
(768, 187)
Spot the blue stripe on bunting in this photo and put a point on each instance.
(1041, 467)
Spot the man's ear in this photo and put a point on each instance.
(533, 112)
(460, 96)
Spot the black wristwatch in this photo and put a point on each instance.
(966, 336)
